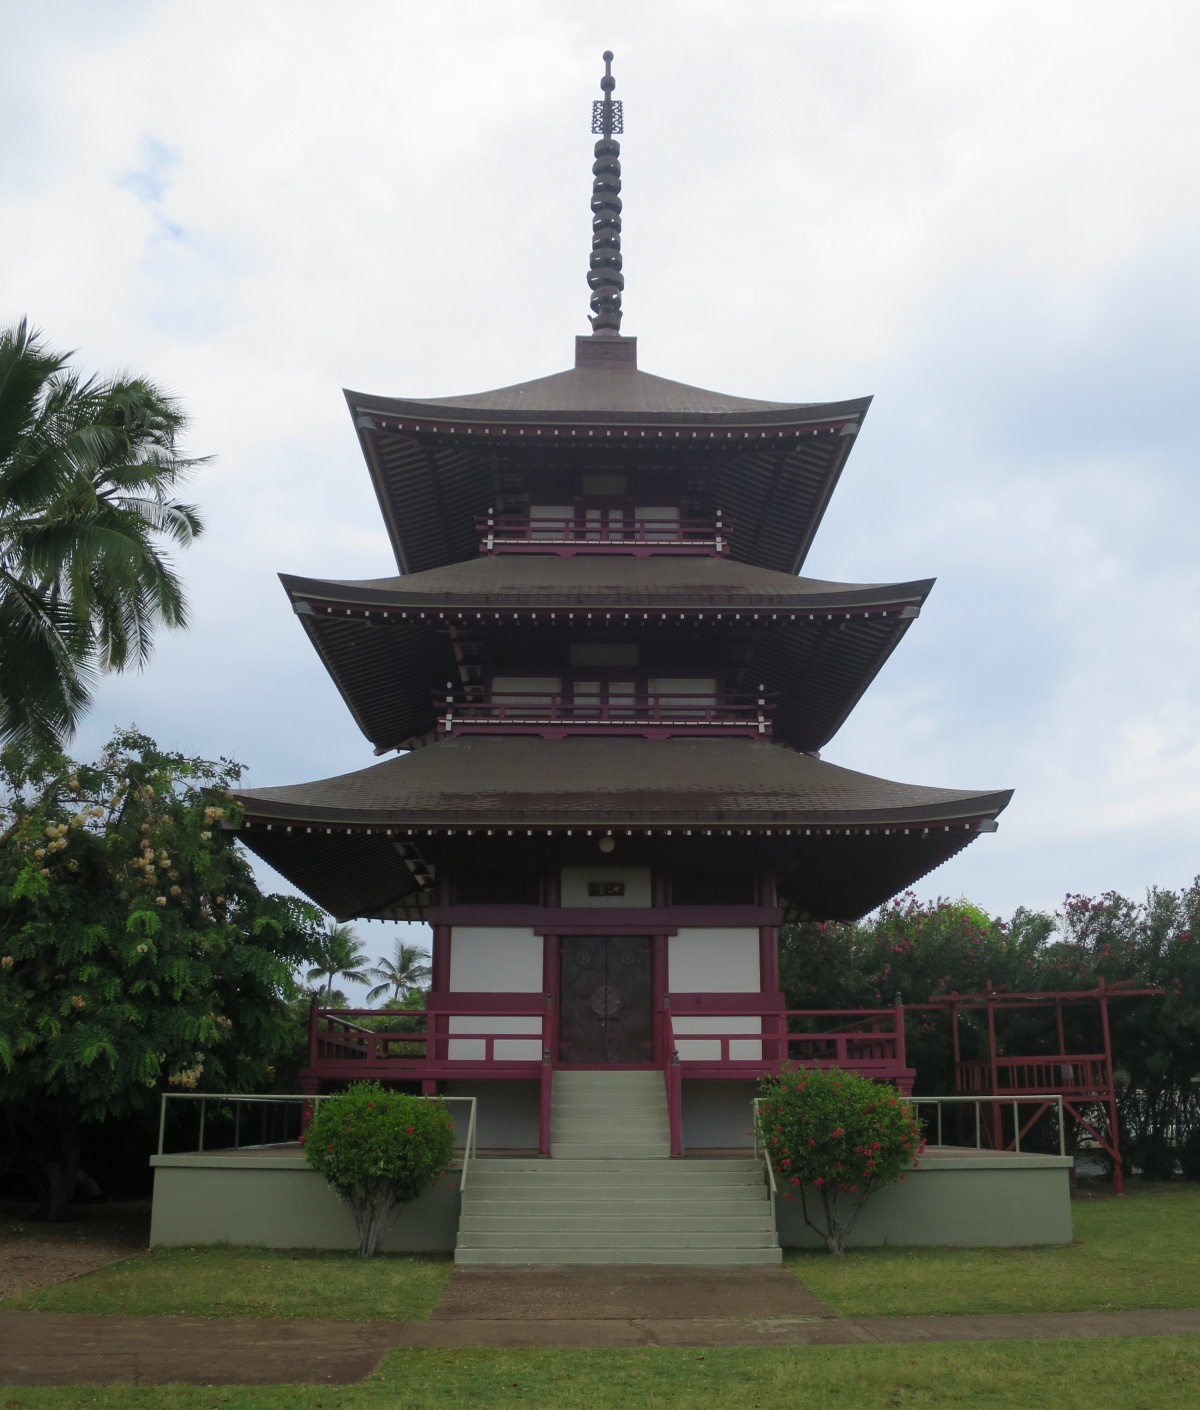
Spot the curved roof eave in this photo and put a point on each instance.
(480, 780)
(533, 580)
(582, 395)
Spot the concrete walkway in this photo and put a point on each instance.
(52, 1348)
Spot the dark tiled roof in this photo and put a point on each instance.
(484, 779)
(604, 394)
(852, 840)
(530, 578)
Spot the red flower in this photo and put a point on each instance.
(408, 1130)
(328, 1148)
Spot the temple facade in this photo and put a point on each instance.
(603, 686)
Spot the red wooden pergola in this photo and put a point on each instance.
(1083, 1080)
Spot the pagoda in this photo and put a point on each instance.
(604, 688)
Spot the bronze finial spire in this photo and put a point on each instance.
(604, 276)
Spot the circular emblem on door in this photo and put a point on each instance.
(605, 1001)
(629, 957)
(583, 957)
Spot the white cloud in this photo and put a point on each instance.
(984, 213)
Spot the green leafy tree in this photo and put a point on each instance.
(89, 468)
(835, 1138)
(400, 976)
(379, 1150)
(342, 955)
(137, 954)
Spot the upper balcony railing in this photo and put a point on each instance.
(1072, 1074)
(653, 716)
(602, 531)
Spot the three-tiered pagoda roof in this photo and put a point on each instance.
(598, 631)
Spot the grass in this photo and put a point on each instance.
(1158, 1373)
(1142, 1250)
(249, 1282)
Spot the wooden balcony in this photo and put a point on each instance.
(512, 1036)
(651, 716)
(1073, 1075)
(602, 532)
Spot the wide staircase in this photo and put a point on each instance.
(611, 1193)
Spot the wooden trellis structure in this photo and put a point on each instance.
(1083, 1080)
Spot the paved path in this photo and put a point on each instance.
(55, 1348)
(604, 1292)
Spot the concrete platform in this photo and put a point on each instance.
(268, 1196)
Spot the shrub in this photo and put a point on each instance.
(379, 1150)
(835, 1137)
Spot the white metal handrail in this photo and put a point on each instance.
(250, 1099)
(1053, 1099)
(766, 1159)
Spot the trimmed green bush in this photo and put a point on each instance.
(835, 1138)
(379, 1150)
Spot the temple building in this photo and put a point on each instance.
(604, 687)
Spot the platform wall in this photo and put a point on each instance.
(280, 1203)
(969, 1202)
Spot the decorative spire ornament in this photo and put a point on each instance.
(604, 275)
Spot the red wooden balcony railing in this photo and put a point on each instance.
(452, 1037)
(1072, 1075)
(747, 1035)
(654, 716)
(601, 531)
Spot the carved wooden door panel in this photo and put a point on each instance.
(605, 1013)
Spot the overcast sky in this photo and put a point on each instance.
(985, 214)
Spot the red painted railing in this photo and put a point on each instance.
(605, 532)
(740, 1035)
(1073, 1075)
(857, 1040)
(528, 712)
(425, 1046)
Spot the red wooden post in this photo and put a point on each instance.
(547, 1091)
(901, 1056)
(675, 1104)
(1118, 1174)
(313, 1014)
(997, 1118)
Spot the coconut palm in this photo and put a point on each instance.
(88, 469)
(343, 956)
(406, 971)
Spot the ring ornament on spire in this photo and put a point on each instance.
(604, 274)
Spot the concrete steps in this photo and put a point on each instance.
(611, 1193)
(609, 1114)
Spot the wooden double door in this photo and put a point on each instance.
(605, 1005)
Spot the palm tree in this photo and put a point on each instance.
(342, 956)
(88, 469)
(405, 971)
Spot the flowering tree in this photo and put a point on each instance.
(137, 953)
(835, 1138)
(379, 1150)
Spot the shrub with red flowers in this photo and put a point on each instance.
(833, 1139)
(379, 1150)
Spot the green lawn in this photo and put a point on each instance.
(1142, 1250)
(1152, 1374)
(241, 1282)
(1139, 1251)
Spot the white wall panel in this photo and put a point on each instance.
(488, 959)
(715, 960)
(494, 959)
(576, 881)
